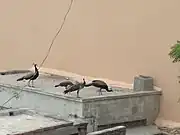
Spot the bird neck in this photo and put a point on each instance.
(84, 82)
(36, 69)
(108, 90)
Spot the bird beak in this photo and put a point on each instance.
(34, 64)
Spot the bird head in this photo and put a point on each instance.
(34, 64)
(110, 89)
(84, 81)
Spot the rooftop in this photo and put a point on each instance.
(22, 121)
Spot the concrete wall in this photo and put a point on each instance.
(113, 39)
(119, 130)
(116, 110)
(41, 101)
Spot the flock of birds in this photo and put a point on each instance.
(69, 86)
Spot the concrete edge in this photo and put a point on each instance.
(17, 111)
(47, 115)
(27, 111)
(16, 71)
(122, 96)
(70, 121)
(78, 121)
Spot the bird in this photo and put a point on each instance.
(64, 84)
(31, 76)
(99, 84)
(76, 87)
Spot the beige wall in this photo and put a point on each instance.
(115, 39)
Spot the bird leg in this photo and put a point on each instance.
(100, 92)
(66, 89)
(32, 83)
(29, 83)
(77, 93)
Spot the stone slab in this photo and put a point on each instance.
(19, 121)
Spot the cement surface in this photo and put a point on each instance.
(46, 83)
(25, 123)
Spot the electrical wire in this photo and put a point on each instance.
(48, 52)
(16, 95)
(52, 42)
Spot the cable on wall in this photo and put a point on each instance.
(47, 54)
(52, 42)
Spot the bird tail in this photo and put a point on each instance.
(20, 79)
(87, 85)
(57, 85)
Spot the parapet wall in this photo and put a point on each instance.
(114, 108)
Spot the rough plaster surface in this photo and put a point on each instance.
(123, 110)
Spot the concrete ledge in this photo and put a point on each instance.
(10, 72)
(69, 126)
(86, 99)
(119, 130)
(122, 96)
